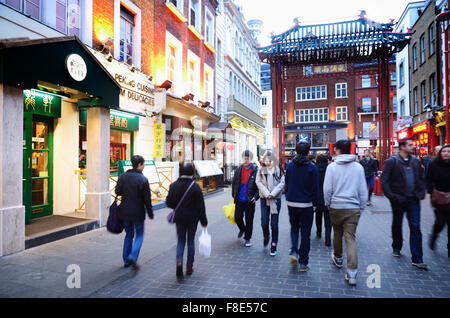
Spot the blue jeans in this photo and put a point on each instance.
(130, 250)
(301, 220)
(183, 231)
(412, 209)
(266, 216)
(371, 184)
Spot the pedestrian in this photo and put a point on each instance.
(345, 193)
(403, 183)
(302, 193)
(190, 211)
(321, 208)
(245, 194)
(270, 182)
(134, 188)
(370, 170)
(438, 177)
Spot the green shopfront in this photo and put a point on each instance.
(45, 85)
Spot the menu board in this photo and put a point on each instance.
(207, 168)
(150, 170)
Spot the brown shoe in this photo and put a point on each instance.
(189, 270)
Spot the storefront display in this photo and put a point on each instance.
(209, 174)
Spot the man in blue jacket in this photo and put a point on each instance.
(302, 192)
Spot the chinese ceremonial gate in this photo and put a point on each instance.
(351, 41)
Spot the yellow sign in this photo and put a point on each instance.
(159, 140)
(324, 69)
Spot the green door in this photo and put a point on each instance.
(37, 166)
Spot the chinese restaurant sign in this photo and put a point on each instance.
(41, 103)
(159, 133)
(324, 69)
(124, 121)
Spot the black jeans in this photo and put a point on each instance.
(326, 216)
(266, 216)
(247, 209)
(301, 220)
(442, 218)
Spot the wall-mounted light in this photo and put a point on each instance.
(109, 57)
(105, 47)
(150, 77)
(205, 105)
(166, 84)
(132, 68)
(188, 97)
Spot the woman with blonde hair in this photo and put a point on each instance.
(270, 182)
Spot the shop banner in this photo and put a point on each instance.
(41, 103)
(160, 136)
(117, 120)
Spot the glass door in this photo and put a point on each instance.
(38, 166)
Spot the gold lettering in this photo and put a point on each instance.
(124, 123)
(117, 122)
(30, 99)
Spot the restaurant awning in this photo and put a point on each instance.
(34, 63)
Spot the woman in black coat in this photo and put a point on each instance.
(438, 178)
(188, 214)
(321, 209)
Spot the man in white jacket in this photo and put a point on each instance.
(345, 193)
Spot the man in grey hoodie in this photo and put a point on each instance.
(345, 193)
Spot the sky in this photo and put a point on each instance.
(278, 15)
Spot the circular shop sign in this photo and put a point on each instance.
(76, 67)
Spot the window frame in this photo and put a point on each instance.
(366, 77)
(422, 48)
(309, 115)
(431, 39)
(209, 14)
(339, 111)
(340, 90)
(416, 101)
(433, 90)
(309, 91)
(423, 94)
(414, 54)
(133, 26)
(198, 15)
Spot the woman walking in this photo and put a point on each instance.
(190, 211)
(321, 209)
(270, 182)
(438, 178)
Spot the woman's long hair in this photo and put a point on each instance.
(438, 158)
(271, 156)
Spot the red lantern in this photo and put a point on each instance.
(230, 147)
(220, 145)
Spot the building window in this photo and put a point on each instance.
(285, 95)
(311, 93)
(208, 84)
(74, 17)
(209, 27)
(33, 8)
(341, 90)
(61, 15)
(285, 116)
(422, 49)
(264, 101)
(365, 81)
(402, 108)
(219, 53)
(423, 90)
(341, 113)
(416, 101)
(401, 71)
(194, 13)
(367, 105)
(394, 103)
(178, 4)
(16, 4)
(433, 90)
(432, 38)
(171, 65)
(174, 64)
(126, 35)
(393, 78)
(414, 57)
(312, 115)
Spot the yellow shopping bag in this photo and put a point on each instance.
(229, 212)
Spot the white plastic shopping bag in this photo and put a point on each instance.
(205, 243)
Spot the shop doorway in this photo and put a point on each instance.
(37, 166)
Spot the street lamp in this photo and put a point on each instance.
(443, 20)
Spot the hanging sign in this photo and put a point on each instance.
(76, 67)
(160, 136)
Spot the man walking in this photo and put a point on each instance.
(302, 192)
(345, 192)
(134, 188)
(245, 194)
(370, 170)
(403, 183)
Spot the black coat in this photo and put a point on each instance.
(321, 168)
(192, 209)
(438, 176)
(393, 180)
(134, 188)
(252, 188)
(370, 166)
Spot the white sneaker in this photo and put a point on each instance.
(350, 280)
(248, 243)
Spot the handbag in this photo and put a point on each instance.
(171, 215)
(440, 200)
(114, 224)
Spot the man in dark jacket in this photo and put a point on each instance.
(370, 170)
(134, 188)
(302, 193)
(403, 183)
(245, 194)
(321, 208)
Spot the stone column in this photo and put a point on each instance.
(98, 197)
(12, 211)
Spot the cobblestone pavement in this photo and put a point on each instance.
(233, 270)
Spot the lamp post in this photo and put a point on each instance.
(443, 20)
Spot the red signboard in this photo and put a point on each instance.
(420, 128)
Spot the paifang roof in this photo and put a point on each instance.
(350, 40)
